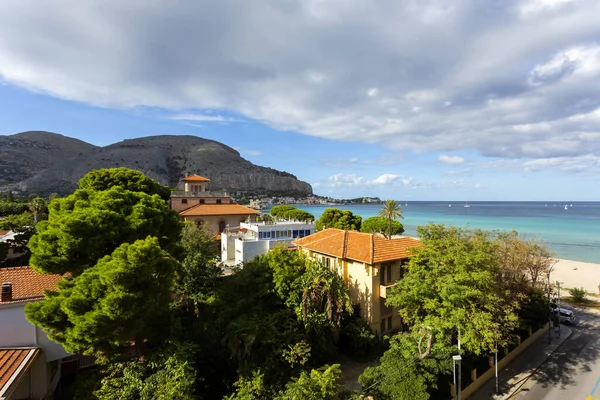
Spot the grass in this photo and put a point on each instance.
(585, 303)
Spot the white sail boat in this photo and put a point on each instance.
(467, 204)
(566, 208)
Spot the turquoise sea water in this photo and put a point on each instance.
(573, 234)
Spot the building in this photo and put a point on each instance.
(8, 239)
(31, 365)
(211, 210)
(369, 264)
(250, 239)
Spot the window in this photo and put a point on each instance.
(389, 273)
(383, 325)
(218, 201)
(183, 201)
(295, 234)
(389, 323)
(201, 201)
(222, 225)
(327, 261)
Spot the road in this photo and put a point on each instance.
(573, 371)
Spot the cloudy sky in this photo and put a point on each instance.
(413, 100)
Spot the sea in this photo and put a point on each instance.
(569, 229)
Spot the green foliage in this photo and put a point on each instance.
(402, 374)
(87, 225)
(357, 339)
(251, 388)
(22, 225)
(291, 213)
(318, 384)
(452, 283)
(119, 305)
(381, 225)
(336, 218)
(534, 309)
(12, 207)
(17, 222)
(173, 379)
(578, 294)
(198, 271)
(135, 181)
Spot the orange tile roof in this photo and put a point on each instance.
(27, 284)
(354, 245)
(2, 233)
(194, 178)
(217, 209)
(14, 363)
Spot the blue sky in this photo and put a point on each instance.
(415, 100)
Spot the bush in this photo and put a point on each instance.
(578, 294)
(356, 338)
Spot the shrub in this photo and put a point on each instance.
(356, 338)
(578, 294)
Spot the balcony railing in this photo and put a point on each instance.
(383, 289)
(181, 193)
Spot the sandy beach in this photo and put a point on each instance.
(577, 274)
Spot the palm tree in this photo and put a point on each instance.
(37, 207)
(391, 210)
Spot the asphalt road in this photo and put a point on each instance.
(572, 372)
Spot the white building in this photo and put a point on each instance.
(31, 365)
(251, 239)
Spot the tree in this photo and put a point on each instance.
(285, 211)
(318, 384)
(120, 304)
(381, 225)
(453, 283)
(87, 225)
(135, 181)
(390, 210)
(336, 218)
(402, 374)
(38, 208)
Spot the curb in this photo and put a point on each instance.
(518, 388)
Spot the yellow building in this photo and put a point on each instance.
(369, 264)
(212, 210)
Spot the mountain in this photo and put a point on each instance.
(25, 154)
(164, 158)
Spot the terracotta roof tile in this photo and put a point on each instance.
(27, 284)
(364, 247)
(217, 209)
(194, 178)
(2, 233)
(14, 363)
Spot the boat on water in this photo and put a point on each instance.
(449, 205)
(566, 208)
(467, 204)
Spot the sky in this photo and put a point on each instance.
(410, 100)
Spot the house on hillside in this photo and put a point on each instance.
(31, 365)
(213, 210)
(251, 239)
(370, 266)
(8, 239)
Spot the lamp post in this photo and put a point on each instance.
(549, 313)
(558, 289)
(457, 388)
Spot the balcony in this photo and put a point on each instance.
(383, 289)
(181, 193)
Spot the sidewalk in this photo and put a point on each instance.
(512, 377)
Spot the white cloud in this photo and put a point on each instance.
(201, 118)
(581, 164)
(452, 160)
(354, 180)
(344, 70)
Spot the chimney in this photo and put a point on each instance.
(6, 292)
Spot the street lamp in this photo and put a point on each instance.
(457, 389)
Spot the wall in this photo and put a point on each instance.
(363, 290)
(178, 206)
(211, 222)
(16, 331)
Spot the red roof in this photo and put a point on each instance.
(354, 245)
(194, 178)
(217, 209)
(27, 284)
(14, 363)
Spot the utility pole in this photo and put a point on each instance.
(496, 363)
(550, 312)
(558, 289)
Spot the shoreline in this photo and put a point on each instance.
(572, 274)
